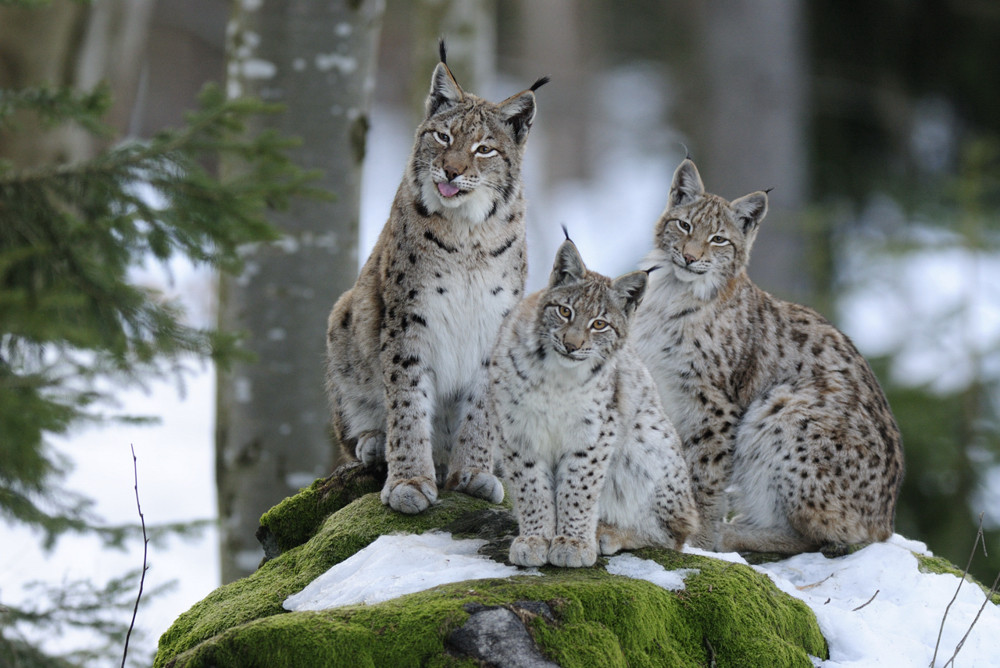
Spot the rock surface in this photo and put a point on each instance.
(727, 614)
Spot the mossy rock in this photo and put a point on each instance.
(727, 615)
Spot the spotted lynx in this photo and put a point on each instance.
(408, 346)
(592, 462)
(772, 402)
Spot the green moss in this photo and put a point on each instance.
(261, 594)
(296, 519)
(728, 615)
(928, 564)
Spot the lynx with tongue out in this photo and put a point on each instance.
(408, 346)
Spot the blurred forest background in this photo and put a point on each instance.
(878, 127)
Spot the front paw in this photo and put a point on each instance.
(370, 449)
(476, 482)
(410, 495)
(572, 552)
(529, 551)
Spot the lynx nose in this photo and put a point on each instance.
(452, 172)
(572, 342)
(688, 258)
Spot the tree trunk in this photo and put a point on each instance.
(318, 60)
(77, 45)
(750, 124)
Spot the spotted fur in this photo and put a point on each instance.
(408, 346)
(593, 463)
(772, 402)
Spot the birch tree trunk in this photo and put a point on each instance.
(317, 59)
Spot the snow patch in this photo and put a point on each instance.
(396, 565)
(633, 567)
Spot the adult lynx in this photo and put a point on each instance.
(772, 402)
(408, 346)
(592, 462)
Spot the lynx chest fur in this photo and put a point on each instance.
(593, 463)
(408, 346)
(781, 417)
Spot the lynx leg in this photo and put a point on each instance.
(534, 502)
(471, 467)
(410, 486)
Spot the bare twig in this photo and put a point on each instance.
(965, 573)
(866, 602)
(145, 549)
(961, 642)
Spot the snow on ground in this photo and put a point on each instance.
(875, 607)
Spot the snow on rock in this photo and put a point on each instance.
(396, 565)
(897, 626)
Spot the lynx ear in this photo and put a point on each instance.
(568, 267)
(686, 186)
(445, 91)
(750, 210)
(632, 288)
(518, 111)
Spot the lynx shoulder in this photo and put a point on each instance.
(592, 462)
(772, 402)
(408, 346)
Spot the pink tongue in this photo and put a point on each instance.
(447, 189)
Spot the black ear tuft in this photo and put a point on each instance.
(540, 82)
(442, 50)
(566, 233)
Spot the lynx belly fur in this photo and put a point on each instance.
(592, 462)
(408, 346)
(782, 419)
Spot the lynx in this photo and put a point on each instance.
(408, 346)
(774, 405)
(592, 462)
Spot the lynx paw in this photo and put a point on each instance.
(529, 551)
(409, 496)
(478, 483)
(609, 540)
(572, 552)
(370, 449)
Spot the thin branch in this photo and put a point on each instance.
(145, 549)
(866, 602)
(961, 642)
(965, 573)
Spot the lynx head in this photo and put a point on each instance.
(585, 316)
(467, 154)
(701, 239)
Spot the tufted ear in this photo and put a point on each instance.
(445, 91)
(518, 111)
(631, 287)
(750, 210)
(686, 186)
(568, 267)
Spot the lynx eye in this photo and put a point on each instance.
(683, 226)
(442, 138)
(565, 311)
(718, 240)
(598, 325)
(484, 151)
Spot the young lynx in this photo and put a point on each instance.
(591, 459)
(770, 399)
(408, 346)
